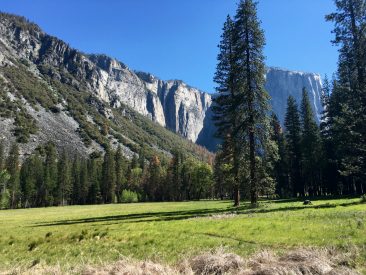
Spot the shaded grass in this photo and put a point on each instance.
(168, 232)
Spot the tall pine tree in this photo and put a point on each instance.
(241, 109)
(50, 174)
(252, 111)
(13, 168)
(109, 176)
(311, 149)
(280, 171)
(121, 169)
(64, 183)
(293, 141)
(226, 102)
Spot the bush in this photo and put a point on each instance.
(129, 196)
(4, 199)
(363, 198)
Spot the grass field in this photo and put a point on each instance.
(168, 232)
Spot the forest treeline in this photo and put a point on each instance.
(257, 157)
(50, 178)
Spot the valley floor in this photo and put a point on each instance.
(170, 232)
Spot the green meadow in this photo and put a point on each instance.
(169, 232)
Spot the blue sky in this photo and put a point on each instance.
(176, 39)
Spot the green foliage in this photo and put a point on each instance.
(50, 174)
(20, 22)
(24, 123)
(64, 182)
(108, 187)
(293, 141)
(13, 167)
(4, 177)
(311, 166)
(4, 193)
(280, 166)
(47, 178)
(29, 87)
(5, 199)
(32, 180)
(128, 196)
(241, 108)
(346, 118)
(363, 198)
(121, 171)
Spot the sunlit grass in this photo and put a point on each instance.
(168, 232)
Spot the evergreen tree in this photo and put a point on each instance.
(75, 179)
(2, 156)
(187, 174)
(293, 141)
(280, 172)
(223, 171)
(241, 109)
(135, 162)
(109, 176)
(252, 111)
(121, 169)
(331, 178)
(311, 148)
(348, 100)
(141, 159)
(4, 193)
(95, 171)
(50, 174)
(174, 176)
(227, 101)
(84, 182)
(13, 168)
(64, 182)
(154, 180)
(31, 176)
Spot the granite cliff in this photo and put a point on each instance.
(172, 104)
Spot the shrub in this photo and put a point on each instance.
(129, 196)
(363, 198)
(33, 245)
(55, 109)
(5, 199)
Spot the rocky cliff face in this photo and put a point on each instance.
(172, 104)
(281, 83)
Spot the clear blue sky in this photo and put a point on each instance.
(177, 39)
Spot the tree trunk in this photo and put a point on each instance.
(253, 183)
(236, 196)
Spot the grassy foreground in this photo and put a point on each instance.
(168, 232)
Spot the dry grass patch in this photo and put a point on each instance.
(301, 261)
(309, 261)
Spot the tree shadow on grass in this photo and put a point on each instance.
(313, 199)
(246, 208)
(142, 217)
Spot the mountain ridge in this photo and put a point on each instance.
(172, 104)
(68, 84)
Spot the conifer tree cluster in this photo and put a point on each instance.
(303, 159)
(344, 123)
(241, 107)
(51, 178)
